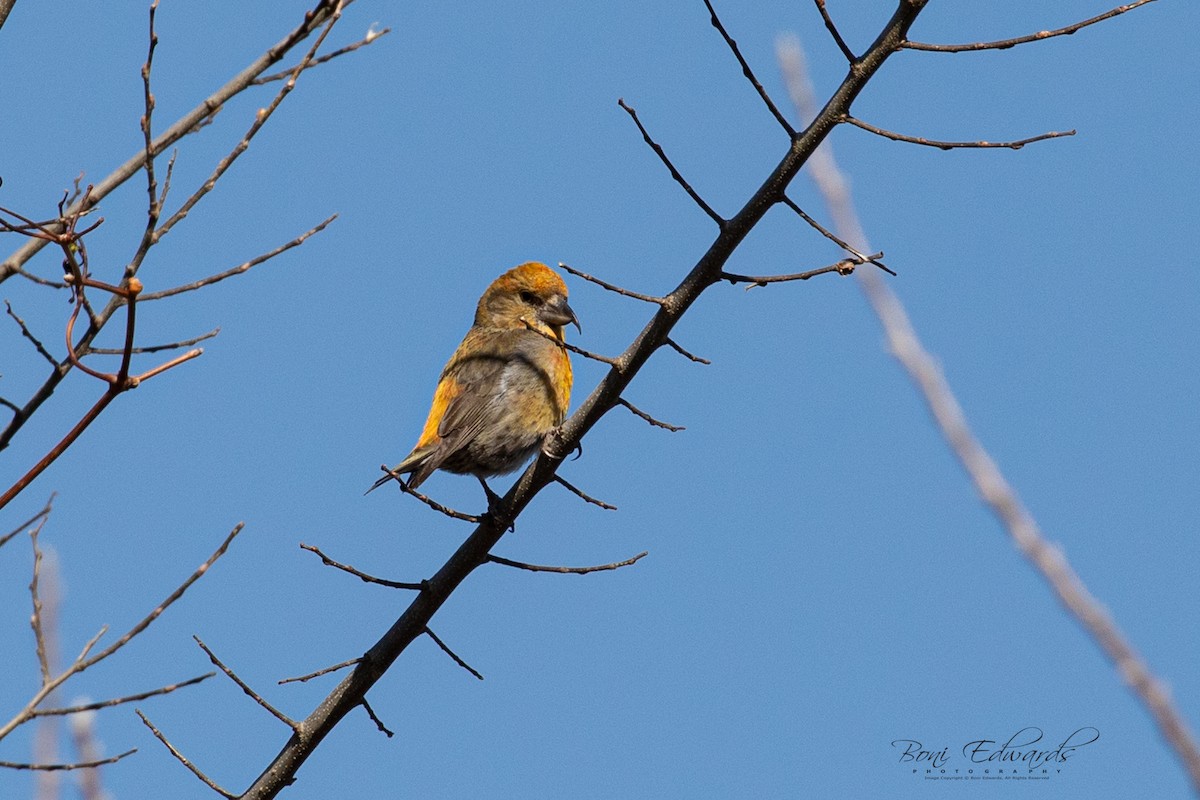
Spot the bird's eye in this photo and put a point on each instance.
(531, 298)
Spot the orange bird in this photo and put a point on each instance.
(505, 387)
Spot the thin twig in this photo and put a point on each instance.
(306, 678)
(787, 201)
(64, 767)
(329, 562)
(749, 73)
(35, 619)
(375, 718)
(655, 422)
(674, 345)
(28, 335)
(452, 654)
(427, 500)
(837, 37)
(112, 351)
(1004, 44)
(612, 362)
(182, 760)
(245, 687)
(687, 187)
(568, 570)
(646, 298)
(371, 36)
(24, 526)
(583, 495)
(941, 145)
(240, 268)
(133, 698)
(844, 267)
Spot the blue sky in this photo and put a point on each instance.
(822, 579)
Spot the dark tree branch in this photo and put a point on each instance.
(245, 687)
(899, 137)
(375, 718)
(674, 345)
(568, 570)
(749, 73)
(182, 760)
(325, 671)
(240, 268)
(662, 155)
(582, 495)
(621, 401)
(1004, 44)
(787, 201)
(844, 267)
(837, 37)
(133, 698)
(452, 654)
(156, 348)
(646, 298)
(329, 562)
(26, 333)
(57, 767)
(434, 504)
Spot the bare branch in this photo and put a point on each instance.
(26, 333)
(112, 351)
(749, 73)
(687, 187)
(452, 654)
(371, 36)
(240, 268)
(646, 298)
(78, 765)
(375, 718)
(837, 36)
(329, 562)
(655, 422)
(899, 137)
(133, 698)
(182, 760)
(25, 525)
(320, 672)
(1004, 44)
(674, 345)
(844, 267)
(612, 362)
(165, 604)
(787, 201)
(583, 496)
(426, 499)
(245, 687)
(189, 123)
(568, 570)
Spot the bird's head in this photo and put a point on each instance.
(531, 293)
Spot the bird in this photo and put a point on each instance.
(507, 385)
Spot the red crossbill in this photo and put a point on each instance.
(505, 387)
